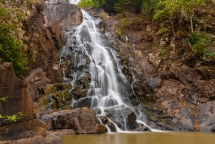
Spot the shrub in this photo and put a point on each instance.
(10, 118)
(90, 3)
(118, 33)
(10, 47)
(200, 44)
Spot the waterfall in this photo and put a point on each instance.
(74, 1)
(97, 79)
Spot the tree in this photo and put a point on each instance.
(128, 5)
(90, 3)
(173, 8)
(167, 9)
(10, 47)
(188, 8)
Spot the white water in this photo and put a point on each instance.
(108, 87)
(74, 1)
(103, 86)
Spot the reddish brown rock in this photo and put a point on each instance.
(82, 120)
(15, 89)
(68, 15)
(33, 131)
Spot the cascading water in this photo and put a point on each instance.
(97, 78)
(74, 1)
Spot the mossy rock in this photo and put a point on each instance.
(49, 89)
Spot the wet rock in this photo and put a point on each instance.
(101, 129)
(123, 116)
(97, 110)
(83, 102)
(141, 127)
(111, 126)
(82, 120)
(79, 93)
(16, 91)
(205, 114)
(104, 119)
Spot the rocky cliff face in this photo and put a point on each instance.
(175, 88)
(16, 91)
(26, 129)
(44, 36)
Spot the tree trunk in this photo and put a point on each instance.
(191, 22)
(172, 25)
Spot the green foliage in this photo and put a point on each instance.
(12, 118)
(90, 3)
(171, 9)
(17, 3)
(3, 99)
(125, 23)
(128, 5)
(161, 31)
(200, 45)
(10, 47)
(118, 33)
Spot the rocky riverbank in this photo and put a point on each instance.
(176, 88)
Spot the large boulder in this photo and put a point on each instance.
(16, 91)
(123, 116)
(33, 131)
(82, 120)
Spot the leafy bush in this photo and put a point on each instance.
(11, 118)
(118, 33)
(133, 6)
(162, 30)
(17, 3)
(125, 23)
(200, 44)
(90, 3)
(10, 47)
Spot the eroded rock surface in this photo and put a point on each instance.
(82, 120)
(175, 90)
(16, 91)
